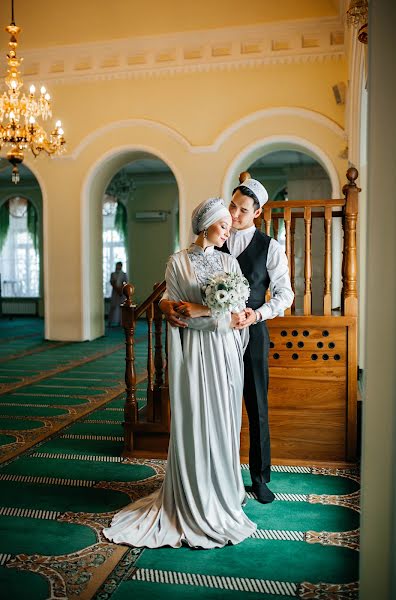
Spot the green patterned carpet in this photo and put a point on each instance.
(58, 494)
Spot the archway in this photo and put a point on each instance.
(21, 244)
(279, 153)
(151, 203)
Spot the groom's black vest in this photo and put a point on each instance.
(253, 263)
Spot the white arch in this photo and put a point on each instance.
(44, 260)
(279, 142)
(272, 143)
(124, 124)
(119, 151)
(267, 113)
(280, 111)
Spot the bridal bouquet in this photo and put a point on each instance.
(226, 292)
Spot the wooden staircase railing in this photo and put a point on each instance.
(146, 431)
(290, 211)
(296, 359)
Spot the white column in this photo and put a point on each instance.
(378, 541)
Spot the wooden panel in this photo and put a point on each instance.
(311, 416)
(315, 348)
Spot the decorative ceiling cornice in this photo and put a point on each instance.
(301, 41)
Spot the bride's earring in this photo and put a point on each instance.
(205, 232)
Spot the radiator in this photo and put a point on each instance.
(24, 307)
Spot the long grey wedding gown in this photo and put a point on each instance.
(199, 503)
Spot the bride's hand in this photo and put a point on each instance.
(189, 309)
(238, 320)
(250, 318)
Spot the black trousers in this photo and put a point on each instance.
(255, 393)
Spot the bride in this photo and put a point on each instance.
(199, 503)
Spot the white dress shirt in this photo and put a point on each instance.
(277, 266)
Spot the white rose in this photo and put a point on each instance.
(221, 296)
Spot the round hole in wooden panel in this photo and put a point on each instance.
(276, 356)
(320, 344)
(289, 345)
(337, 357)
(294, 332)
(294, 356)
(325, 333)
(305, 333)
(314, 356)
(283, 333)
(331, 345)
(300, 344)
(325, 357)
(272, 345)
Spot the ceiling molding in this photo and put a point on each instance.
(235, 48)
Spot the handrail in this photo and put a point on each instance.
(152, 298)
(303, 203)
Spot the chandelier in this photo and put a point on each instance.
(19, 111)
(121, 186)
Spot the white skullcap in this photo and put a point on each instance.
(257, 188)
(207, 213)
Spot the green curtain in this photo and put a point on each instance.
(4, 222)
(32, 224)
(120, 222)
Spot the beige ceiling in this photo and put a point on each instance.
(48, 22)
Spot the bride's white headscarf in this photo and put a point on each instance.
(207, 213)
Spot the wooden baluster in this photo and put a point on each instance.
(130, 407)
(275, 226)
(307, 262)
(292, 266)
(327, 262)
(287, 219)
(349, 263)
(150, 358)
(267, 223)
(150, 363)
(267, 219)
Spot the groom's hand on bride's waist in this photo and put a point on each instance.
(168, 307)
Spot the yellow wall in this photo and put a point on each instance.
(73, 22)
(151, 243)
(206, 126)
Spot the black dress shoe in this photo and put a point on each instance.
(263, 493)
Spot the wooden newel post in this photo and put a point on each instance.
(130, 408)
(293, 259)
(349, 261)
(244, 175)
(288, 218)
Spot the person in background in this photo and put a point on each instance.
(117, 280)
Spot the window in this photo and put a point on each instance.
(113, 243)
(19, 257)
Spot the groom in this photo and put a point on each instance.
(264, 264)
